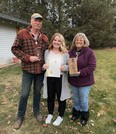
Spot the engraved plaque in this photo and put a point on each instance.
(72, 66)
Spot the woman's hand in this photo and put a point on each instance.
(45, 66)
(62, 68)
(78, 73)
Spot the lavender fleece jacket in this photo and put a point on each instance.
(86, 65)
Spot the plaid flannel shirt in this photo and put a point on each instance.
(24, 47)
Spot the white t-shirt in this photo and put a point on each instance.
(54, 62)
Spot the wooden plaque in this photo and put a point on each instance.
(73, 66)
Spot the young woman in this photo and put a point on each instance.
(55, 80)
(81, 84)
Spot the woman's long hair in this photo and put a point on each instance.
(63, 45)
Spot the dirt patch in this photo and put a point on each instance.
(2, 131)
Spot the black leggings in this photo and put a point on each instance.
(54, 86)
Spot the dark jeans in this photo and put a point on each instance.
(54, 88)
(27, 80)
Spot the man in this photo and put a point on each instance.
(29, 46)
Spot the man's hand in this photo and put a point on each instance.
(34, 58)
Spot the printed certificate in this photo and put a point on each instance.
(54, 67)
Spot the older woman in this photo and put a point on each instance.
(81, 83)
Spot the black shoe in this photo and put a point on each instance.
(84, 118)
(74, 118)
(75, 114)
(83, 122)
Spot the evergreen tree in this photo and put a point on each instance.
(93, 17)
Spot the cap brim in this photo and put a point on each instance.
(37, 18)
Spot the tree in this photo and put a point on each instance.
(93, 17)
(5, 6)
(56, 15)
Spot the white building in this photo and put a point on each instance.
(9, 26)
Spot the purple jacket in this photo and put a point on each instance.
(86, 65)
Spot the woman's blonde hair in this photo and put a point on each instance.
(63, 45)
(86, 41)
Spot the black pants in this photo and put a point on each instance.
(54, 88)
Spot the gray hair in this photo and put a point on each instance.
(86, 41)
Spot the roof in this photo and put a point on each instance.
(13, 19)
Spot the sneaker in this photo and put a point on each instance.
(58, 121)
(38, 117)
(17, 124)
(48, 119)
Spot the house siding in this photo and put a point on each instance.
(7, 36)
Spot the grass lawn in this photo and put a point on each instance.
(102, 102)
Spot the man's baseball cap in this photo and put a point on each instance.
(36, 16)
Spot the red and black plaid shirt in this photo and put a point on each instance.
(24, 47)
